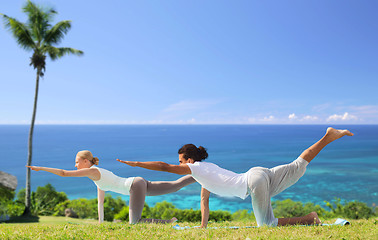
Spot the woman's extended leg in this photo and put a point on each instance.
(138, 193)
(330, 136)
(156, 188)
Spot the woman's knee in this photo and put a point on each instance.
(139, 183)
(137, 195)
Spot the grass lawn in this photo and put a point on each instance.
(68, 228)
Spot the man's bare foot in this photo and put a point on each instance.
(314, 219)
(334, 134)
(173, 220)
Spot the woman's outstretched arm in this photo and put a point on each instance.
(91, 173)
(100, 200)
(181, 169)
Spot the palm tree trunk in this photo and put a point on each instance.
(30, 149)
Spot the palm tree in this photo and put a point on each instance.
(40, 37)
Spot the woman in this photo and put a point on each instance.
(260, 183)
(105, 180)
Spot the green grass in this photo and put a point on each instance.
(68, 228)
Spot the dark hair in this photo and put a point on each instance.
(191, 151)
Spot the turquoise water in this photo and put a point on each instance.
(346, 169)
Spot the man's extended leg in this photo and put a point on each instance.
(330, 136)
(309, 154)
(258, 185)
(284, 176)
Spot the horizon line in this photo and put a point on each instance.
(180, 124)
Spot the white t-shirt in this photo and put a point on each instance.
(111, 182)
(219, 180)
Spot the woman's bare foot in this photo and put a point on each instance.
(173, 220)
(334, 134)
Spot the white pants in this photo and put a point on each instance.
(264, 183)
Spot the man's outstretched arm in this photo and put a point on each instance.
(182, 169)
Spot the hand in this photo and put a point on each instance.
(34, 168)
(130, 163)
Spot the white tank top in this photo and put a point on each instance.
(111, 182)
(219, 180)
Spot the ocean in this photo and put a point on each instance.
(345, 169)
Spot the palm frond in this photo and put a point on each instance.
(20, 31)
(52, 51)
(56, 33)
(38, 20)
(56, 53)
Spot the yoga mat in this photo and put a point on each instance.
(339, 221)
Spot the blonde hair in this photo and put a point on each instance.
(85, 154)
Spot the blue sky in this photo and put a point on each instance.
(200, 62)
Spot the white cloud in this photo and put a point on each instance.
(346, 116)
(305, 118)
(259, 120)
(292, 116)
(267, 119)
(192, 121)
(310, 118)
